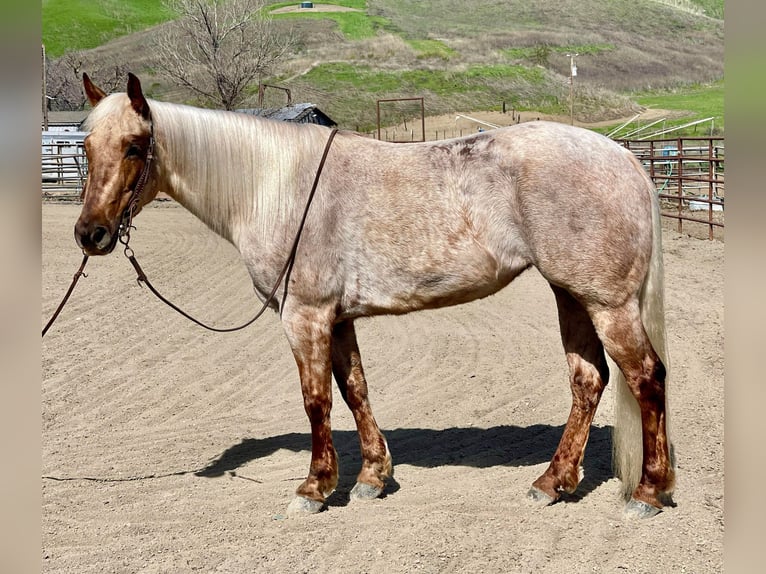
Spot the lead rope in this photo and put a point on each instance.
(142, 278)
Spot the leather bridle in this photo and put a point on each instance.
(126, 220)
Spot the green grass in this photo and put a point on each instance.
(532, 52)
(712, 8)
(338, 77)
(505, 72)
(353, 25)
(584, 49)
(701, 101)
(69, 25)
(432, 49)
(342, 76)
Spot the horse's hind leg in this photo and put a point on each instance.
(588, 375)
(626, 341)
(347, 367)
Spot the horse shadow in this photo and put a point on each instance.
(504, 445)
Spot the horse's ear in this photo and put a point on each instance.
(137, 99)
(94, 93)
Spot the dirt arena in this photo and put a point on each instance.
(168, 448)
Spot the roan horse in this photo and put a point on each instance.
(396, 228)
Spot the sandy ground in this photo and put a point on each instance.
(167, 448)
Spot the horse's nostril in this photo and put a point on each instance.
(99, 234)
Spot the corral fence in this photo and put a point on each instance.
(689, 175)
(63, 165)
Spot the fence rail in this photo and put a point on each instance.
(64, 169)
(689, 175)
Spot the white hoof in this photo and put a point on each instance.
(639, 509)
(539, 497)
(300, 505)
(362, 491)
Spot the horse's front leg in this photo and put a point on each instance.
(347, 367)
(309, 331)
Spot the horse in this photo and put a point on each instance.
(400, 227)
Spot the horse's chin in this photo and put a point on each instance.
(98, 251)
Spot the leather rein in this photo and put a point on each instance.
(124, 238)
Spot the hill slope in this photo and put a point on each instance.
(478, 54)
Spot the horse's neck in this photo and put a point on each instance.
(203, 168)
(236, 173)
(194, 199)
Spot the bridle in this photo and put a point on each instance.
(126, 219)
(124, 238)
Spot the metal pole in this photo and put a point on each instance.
(45, 98)
(423, 117)
(571, 100)
(572, 74)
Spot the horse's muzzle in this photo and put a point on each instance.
(94, 238)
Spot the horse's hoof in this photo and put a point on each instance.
(538, 496)
(362, 491)
(640, 509)
(300, 505)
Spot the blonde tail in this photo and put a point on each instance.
(627, 446)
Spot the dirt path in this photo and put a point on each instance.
(315, 8)
(170, 449)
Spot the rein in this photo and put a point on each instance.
(80, 273)
(124, 238)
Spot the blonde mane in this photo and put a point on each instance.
(107, 110)
(234, 171)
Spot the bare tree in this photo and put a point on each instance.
(217, 48)
(64, 78)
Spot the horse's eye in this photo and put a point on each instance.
(133, 151)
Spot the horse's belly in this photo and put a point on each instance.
(405, 289)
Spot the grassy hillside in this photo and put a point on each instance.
(460, 55)
(701, 102)
(69, 25)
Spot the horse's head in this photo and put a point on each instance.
(118, 149)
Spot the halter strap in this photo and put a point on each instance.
(80, 273)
